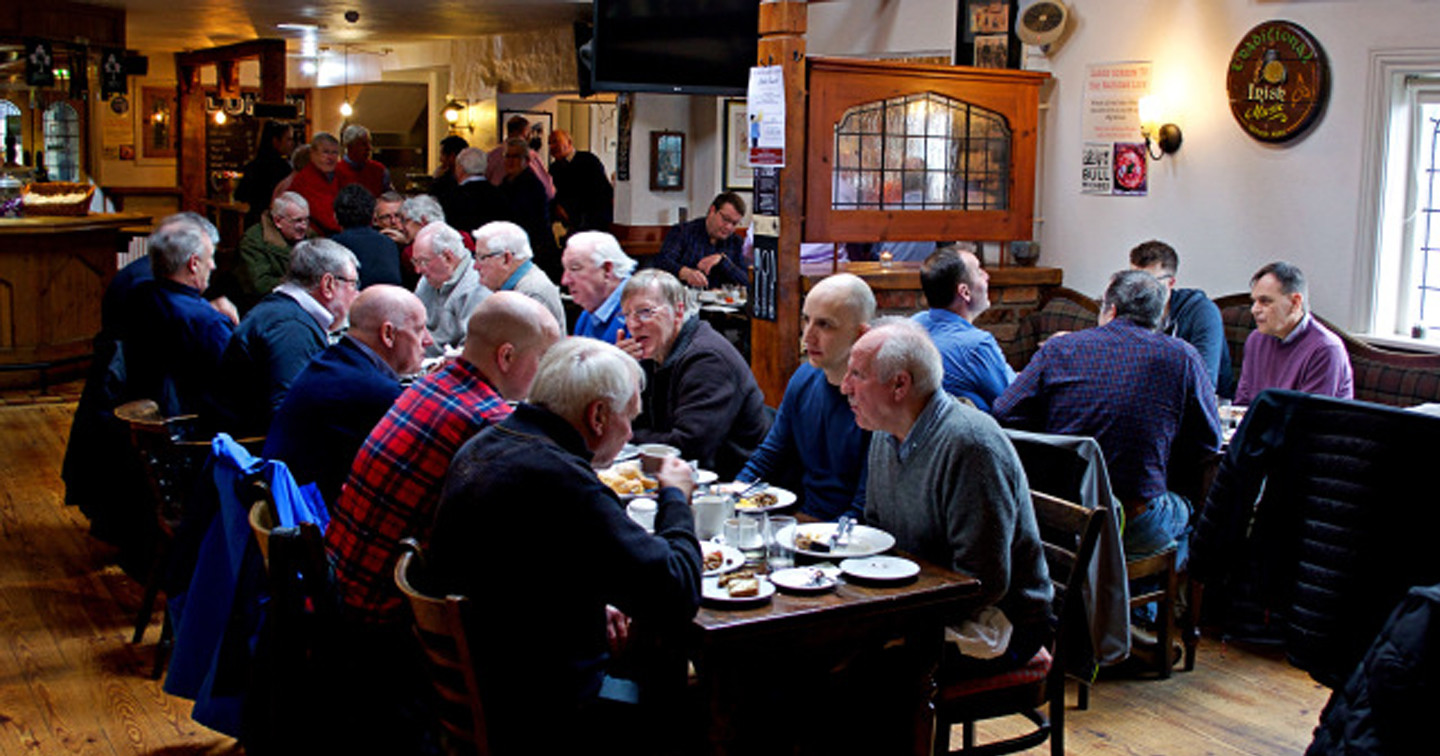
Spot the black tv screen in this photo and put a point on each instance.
(676, 46)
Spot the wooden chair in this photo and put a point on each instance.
(440, 625)
(171, 460)
(1069, 532)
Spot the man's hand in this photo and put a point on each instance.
(225, 307)
(395, 235)
(617, 629)
(628, 345)
(674, 473)
(693, 277)
(708, 262)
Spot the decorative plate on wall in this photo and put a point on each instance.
(1278, 80)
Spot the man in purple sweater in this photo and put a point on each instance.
(1289, 348)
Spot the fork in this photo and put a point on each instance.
(752, 489)
(841, 536)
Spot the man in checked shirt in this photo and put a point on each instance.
(391, 494)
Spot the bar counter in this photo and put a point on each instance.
(53, 273)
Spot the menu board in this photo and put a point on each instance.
(230, 145)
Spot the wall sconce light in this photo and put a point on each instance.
(1167, 137)
(453, 112)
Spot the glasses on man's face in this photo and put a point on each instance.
(352, 281)
(388, 217)
(298, 220)
(489, 255)
(641, 316)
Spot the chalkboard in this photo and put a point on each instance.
(229, 146)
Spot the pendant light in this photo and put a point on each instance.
(345, 109)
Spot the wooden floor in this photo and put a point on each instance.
(71, 683)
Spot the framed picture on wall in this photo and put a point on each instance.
(739, 176)
(538, 133)
(667, 161)
(157, 123)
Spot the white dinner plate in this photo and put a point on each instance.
(803, 579)
(783, 498)
(705, 477)
(880, 568)
(710, 590)
(731, 557)
(627, 452)
(864, 540)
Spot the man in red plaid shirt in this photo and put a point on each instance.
(396, 479)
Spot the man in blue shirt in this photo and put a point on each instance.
(1142, 395)
(1189, 315)
(596, 269)
(705, 252)
(814, 430)
(958, 290)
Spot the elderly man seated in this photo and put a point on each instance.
(450, 286)
(814, 432)
(700, 396)
(391, 494)
(277, 338)
(529, 483)
(264, 253)
(415, 213)
(595, 270)
(1144, 396)
(506, 263)
(379, 257)
(340, 396)
(1289, 348)
(946, 482)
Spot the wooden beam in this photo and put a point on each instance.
(774, 346)
(255, 48)
(190, 124)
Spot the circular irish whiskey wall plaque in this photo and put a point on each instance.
(1278, 80)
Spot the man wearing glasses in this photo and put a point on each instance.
(706, 252)
(1190, 315)
(505, 261)
(277, 338)
(264, 252)
(449, 285)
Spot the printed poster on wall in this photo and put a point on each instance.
(765, 116)
(1112, 160)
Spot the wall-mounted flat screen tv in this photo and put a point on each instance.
(676, 46)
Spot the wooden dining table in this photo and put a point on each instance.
(765, 672)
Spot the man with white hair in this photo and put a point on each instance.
(449, 284)
(357, 167)
(947, 483)
(596, 269)
(337, 399)
(263, 256)
(505, 262)
(548, 661)
(172, 337)
(474, 201)
(814, 434)
(700, 396)
(277, 338)
(416, 213)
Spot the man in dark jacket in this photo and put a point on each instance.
(337, 399)
(377, 254)
(475, 201)
(1190, 315)
(701, 396)
(279, 336)
(528, 208)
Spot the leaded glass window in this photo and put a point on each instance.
(921, 152)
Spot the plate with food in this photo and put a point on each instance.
(627, 453)
(738, 587)
(626, 479)
(886, 568)
(718, 558)
(771, 498)
(813, 539)
(803, 580)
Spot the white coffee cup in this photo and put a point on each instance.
(642, 511)
(711, 511)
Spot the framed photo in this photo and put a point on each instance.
(992, 51)
(989, 16)
(667, 161)
(157, 123)
(538, 134)
(739, 176)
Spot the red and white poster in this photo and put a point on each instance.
(1113, 154)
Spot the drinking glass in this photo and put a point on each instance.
(780, 554)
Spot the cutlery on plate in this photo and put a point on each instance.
(841, 536)
(752, 489)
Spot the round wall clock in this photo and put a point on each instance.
(1278, 80)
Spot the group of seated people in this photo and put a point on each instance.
(491, 454)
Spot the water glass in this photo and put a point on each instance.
(780, 554)
(744, 534)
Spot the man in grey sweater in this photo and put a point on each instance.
(946, 482)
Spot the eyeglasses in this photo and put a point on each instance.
(489, 255)
(352, 281)
(642, 315)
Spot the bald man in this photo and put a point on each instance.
(392, 492)
(347, 388)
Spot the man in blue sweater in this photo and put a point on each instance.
(1190, 315)
(815, 430)
(340, 396)
(277, 338)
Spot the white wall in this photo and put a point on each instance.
(1227, 202)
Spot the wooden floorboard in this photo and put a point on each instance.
(71, 683)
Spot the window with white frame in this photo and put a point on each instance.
(1407, 286)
